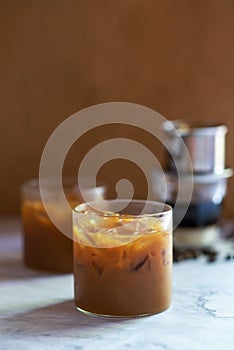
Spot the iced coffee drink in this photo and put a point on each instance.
(45, 246)
(123, 262)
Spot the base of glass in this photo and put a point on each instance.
(89, 313)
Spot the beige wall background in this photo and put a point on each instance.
(58, 56)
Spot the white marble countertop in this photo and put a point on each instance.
(37, 310)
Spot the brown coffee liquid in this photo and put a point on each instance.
(45, 247)
(127, 280)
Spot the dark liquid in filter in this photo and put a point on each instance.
(200, 214)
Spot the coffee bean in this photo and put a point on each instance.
(228, 257)
(180, 254)
(211, 258)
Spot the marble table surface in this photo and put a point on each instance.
(37, 310)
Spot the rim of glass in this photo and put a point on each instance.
(80, 209)
(50, 181)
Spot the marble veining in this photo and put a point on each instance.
(37, 310)
(203, 299)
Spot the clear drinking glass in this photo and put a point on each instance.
(123, 260)
(45, 247)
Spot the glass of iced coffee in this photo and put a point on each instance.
(123, 258)
(45, 246)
